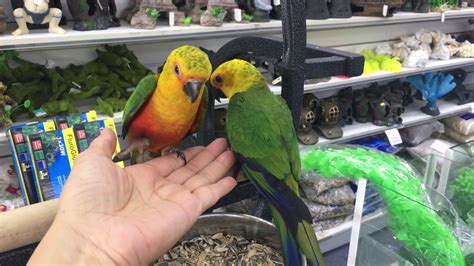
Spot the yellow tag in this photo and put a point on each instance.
(71, 146)
(49, 126)
(91, 116)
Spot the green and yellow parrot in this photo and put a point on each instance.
(260, 131)
(167, 107)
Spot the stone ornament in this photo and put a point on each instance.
(149, 11)
(93, 14)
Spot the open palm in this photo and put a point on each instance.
(133, 215)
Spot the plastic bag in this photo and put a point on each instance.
(314, 186)
(458, 137)
(323, 212)
(417, 134)
(335, 196)
(322, 225)
(462, 124)
(412, 218)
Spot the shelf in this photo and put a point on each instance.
(433, 65)
(412, 116)
(337, 83)
(41, 39)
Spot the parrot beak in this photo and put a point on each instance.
(220, 95)
(192, 88)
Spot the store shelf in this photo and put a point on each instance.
(340, 235)
(412, 116)
(337, 83)
(433, 65)
(41, 39)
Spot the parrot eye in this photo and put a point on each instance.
(218, 80)
(177, 70)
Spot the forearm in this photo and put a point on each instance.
(61, 245)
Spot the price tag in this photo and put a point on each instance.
(393, 136)
(171, 19)
(276, 2)
(443, 16)
(440, 146)
(237, 14)
(385, 10)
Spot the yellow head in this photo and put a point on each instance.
(236, 76)
(190, 68)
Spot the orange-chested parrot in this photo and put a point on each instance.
(260, 132)
(167, 107)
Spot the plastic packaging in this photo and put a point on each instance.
(323, 212)
(336, 196)
(378, 144)
(330, 223)
(417, 134)
(458, 137)
(412, 218)
(311, 185)
(462, 124)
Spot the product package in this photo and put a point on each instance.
(17, 138)
(464, 124)
(66, 121)
(52, 154)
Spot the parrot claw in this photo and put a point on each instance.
(180, 154)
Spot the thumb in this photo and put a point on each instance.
(104, 144)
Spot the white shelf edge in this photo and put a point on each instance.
(40, 39)
(337, 83)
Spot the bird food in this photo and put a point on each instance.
(220, 249)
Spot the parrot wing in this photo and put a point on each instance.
(140, 95)
(260, 125)
(201, 113)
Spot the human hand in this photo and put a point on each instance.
(132, 215)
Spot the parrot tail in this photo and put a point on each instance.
(289, 247)
(291, 211)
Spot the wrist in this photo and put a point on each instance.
(64, 245)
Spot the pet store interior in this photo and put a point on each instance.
(349, 128)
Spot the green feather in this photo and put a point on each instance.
(140, 95)
(268, 136)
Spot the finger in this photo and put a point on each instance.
(213, 172)
(104, 144)
(210, 194)
(165, 165)
(206, 156)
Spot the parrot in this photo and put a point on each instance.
(260, 132)
(167, 107)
